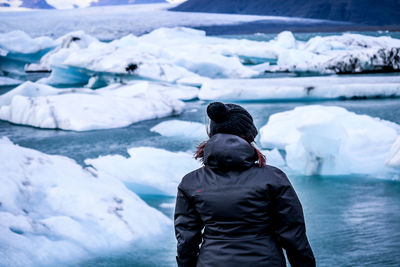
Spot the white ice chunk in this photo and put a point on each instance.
(5, 81)
(158, 169)
(393, 159)
(20, 42)
(325, 87)
(84, 109)
(135, 88)
(65, 44)
(330, 140)
(50, 204)
(347, 53)
(187, 129)
(274, 157)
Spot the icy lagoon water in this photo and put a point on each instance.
(351, 220)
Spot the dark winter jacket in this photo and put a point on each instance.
(239, 214)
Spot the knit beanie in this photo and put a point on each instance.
(231, 119)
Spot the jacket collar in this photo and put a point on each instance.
(229, 152)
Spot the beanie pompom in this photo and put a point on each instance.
(218, 112)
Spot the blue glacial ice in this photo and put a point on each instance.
(50, 204)
(330, 140)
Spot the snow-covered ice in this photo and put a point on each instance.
(164, 54)
(18, 42)
(330, 140)
(324, 87)
(118, 21)
(393, 159)
(274, 157)
(83, 109)
(147, 169)
(347, 53)
(5, 81)
(50, 204)
(188, 129)
(69, 42)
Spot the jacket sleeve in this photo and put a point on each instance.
(290, 226)
(188, 227)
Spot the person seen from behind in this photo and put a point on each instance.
(236, 210)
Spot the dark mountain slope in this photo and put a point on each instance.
(369, 12)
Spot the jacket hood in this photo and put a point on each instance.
(229, 152)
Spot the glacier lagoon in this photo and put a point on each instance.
(351, 219)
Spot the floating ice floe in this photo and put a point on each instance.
(164, 54)
(347, 53)
(50, 204)
(5, 81)
(325, 87)
(18, 42)
(330, 140)
(17, 48)
(65, 44)
(147, 170)
(188, 129)
(83, 109)
(393, 159)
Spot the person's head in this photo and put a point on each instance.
(231, 119)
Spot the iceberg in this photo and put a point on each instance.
(49, 203)
(329, 140)
(84, 109)
(341, 54)
(147, 169)
(187, 129)
(17, 48)
(70, 41)
(5, 81)
(18, 42)
(301, 88)
(274, 157)
(393, 160)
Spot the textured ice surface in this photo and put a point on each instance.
(8, 81)
(188, 129)
(118, 21)
(330, 140)
(83, 109)
(164, 54)
(274, 157)
(393, 159)
(147, 170)
(325, 87)
(65, 44)
(347, 53)
(50, 204)
(22, 43)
